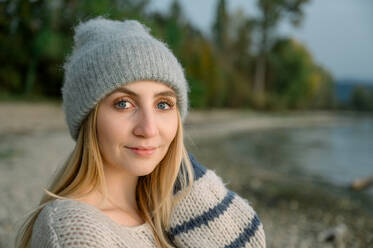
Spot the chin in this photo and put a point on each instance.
(143, 169)
(142, 173)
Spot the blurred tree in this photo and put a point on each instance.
(206, 68)
(175, 27)
(241, 34)
(232, 36)
(220, 27)
(36, 35)
(324, 97)
(362, 99)
(272, 12)
(115, 9)
(19, 25)
(10, 78)
(240, 58)
(294, 79)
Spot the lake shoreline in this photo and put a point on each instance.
(292, 200)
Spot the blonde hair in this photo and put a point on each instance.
(83, 172)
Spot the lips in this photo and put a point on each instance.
(143, 151)
(142, 147)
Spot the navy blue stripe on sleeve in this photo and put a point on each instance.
(246, 235)
(203, 219)
(199, 171)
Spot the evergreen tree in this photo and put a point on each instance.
(220, 27)
(272, 12)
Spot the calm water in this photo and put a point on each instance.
(338, 154)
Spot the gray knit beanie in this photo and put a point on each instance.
(108, 54)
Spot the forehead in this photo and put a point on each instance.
(148, 84)
(139, 88)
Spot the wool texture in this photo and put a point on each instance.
(209, 216)
(108, 54)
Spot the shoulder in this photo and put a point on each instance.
(43, 233)
(67, 223)
(208, 188)
(224, 217)
(206, 179)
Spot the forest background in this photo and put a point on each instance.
(243, 64)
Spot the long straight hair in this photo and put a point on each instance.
(83, 172)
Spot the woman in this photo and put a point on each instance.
(129, 181)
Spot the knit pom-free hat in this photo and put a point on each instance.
(108, 54)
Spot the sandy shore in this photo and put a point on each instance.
(34, 141)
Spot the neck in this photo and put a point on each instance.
(121, 188)
(121, 192)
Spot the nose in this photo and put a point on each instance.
(146, 125)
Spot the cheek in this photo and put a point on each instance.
(107, 130)
(171, 127)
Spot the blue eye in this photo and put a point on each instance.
(164, 104)
(121, 104)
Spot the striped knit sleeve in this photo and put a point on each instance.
(213, 216)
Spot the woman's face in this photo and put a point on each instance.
(136, 125)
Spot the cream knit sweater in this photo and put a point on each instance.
(210, 216)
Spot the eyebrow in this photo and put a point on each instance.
(131, 93)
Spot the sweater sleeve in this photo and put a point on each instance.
(62, 228)
(43, 233)
(213, 216)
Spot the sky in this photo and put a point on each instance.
(339, 33)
